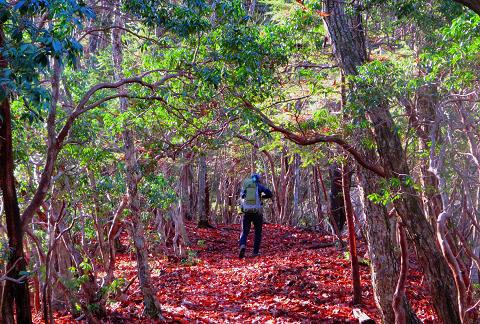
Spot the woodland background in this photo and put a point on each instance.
(123, 121)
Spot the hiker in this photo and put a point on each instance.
(251, 205)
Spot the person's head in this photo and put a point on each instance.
(256, 177)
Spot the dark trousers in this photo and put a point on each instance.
(257, 220)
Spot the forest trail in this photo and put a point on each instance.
(292, 281)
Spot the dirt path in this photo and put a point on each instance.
(290, 282)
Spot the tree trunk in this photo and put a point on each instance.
(14, 294)
(202, 191)
(317, 195)
(133, 176)
(421, 117)
(380, 230)
(296, 191)
(400, 316)
(409, 208)
(337, 204)
(470, 130)
(185, 188)
(349, 48)
(357, 288)
(96, 219)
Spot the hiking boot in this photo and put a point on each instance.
(241, 255)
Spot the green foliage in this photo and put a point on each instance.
(159, 191)
(388, 194)
(454, 56)
(4, 252)
(191, 259)
(391, 189)
(29, 46)
(85, 265)
(328, 122)
(377, 82)
(117, 285)
(361, 261)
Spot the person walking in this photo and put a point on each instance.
(252, 207)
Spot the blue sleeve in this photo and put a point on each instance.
(265, 191)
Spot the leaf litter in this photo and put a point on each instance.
(292, 281)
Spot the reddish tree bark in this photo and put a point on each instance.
(357, 288)
(14, 294)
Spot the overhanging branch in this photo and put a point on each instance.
(304, 141)
(472, 4)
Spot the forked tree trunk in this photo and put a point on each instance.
(421, 117)
(180, 239)
(470, 130)
(151, 304)
(15, 297)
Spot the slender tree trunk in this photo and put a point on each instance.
(96, 219)
(471, 131)
(421, 117)
(185, 187)
(202, 190)
(337, 205)
(113, 232)
(133, 176)
(400, 316)
(349, 48)
(207, 199)
(276, 193)
(296, 190)
(14, 294)
(357, 288)
(317, 195)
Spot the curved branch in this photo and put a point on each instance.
(55, 144)
(471, 4)
(106, 28)
(304, 141)
(82, 105)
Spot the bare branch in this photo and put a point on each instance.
(103, 29)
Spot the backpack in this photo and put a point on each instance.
(251, 202)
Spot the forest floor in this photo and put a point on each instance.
(293, 281)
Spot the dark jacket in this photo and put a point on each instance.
(263, 192)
